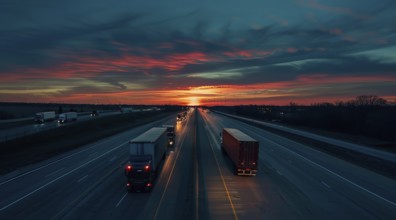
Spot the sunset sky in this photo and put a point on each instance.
(224, 52)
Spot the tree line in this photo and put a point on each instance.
(366, 115)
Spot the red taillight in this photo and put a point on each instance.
(148, 185)
(128, 168)
(147, 168)
(128, 184)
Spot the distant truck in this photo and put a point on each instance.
(179, 117)
(94, 113)
(126, 110)
(67, 117)
(241, 149)
(145, 154)
(170, 129)
(42, 117)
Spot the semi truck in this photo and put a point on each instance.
(126, 110)
(145, 154)
(241, 149)
(179, 117)
(94, 113)
(42, 117)
(67, 117)
(170, 130)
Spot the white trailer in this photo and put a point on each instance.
(67, 117)
(151, 143)
(145, 154)
(42, 117)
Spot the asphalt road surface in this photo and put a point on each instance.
(196, 181)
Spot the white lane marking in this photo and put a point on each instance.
(112, 159)
(119, 202)
(337, 175)
(52, 181)
(53, 162)
(94, 153)
(81, 179)
(57, 171)
(325, 184)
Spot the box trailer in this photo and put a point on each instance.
(42, 117)
(145, 154)
(67, 117)
(242, 150)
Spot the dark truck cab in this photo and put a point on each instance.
(138, 173)
(170, 130)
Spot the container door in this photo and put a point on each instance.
(249, 155)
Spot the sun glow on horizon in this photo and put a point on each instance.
(194, 101)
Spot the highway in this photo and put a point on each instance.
(196, 182)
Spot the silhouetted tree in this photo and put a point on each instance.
(369, 100)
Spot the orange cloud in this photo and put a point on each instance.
(305, 89)
(90, 66)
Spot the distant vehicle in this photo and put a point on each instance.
(179, 117)
(42, 117)
(126, 110)
(94, 113)
(241, 149)
(145, 154)
(170, 129)
(67, 117)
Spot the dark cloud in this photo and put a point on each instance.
(160, 46)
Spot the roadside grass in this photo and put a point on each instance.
(43, 145)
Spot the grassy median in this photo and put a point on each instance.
(40, 146)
